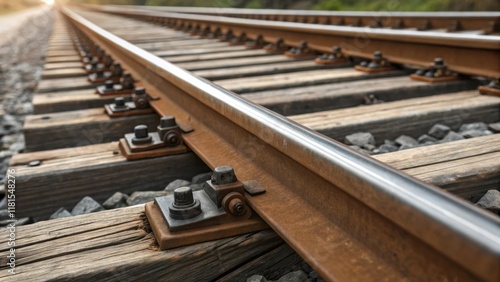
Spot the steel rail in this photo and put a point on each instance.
(349, 216)
(461, 21)
(464, 53)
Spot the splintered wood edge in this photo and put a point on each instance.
(167, 240)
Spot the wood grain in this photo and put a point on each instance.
(411, 116)
(117, 245)
(315, 98)
(78, 128)
(464, 168)
(69, 101)
(65, 176)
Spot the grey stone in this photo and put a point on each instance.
(314, 275)
(176, 184)
(61, 212)
(439, 131)
(141, 197)
(256, 278)
(427, 143)
(369, 147)
(23, 221)
(360, 139)
(200, 178)
(85, 206)
(4, 214)
(390, 142)
(404, 147)
(490, 201)
(197, 187)
(475, 133)
(387, 148)
(473, 126)
(296, 276)
(117, 200)
(405, 140)
(494, 127)
(3, 203)
(355, 147)
(426, 138)
(452, 136)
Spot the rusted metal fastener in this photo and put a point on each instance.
(169, 132)
(119, 105)
(277, 47)
(184, 206)
(302, 51)
(454, 26)
(377, 64)
(491, 27)
(227, 36)
(217, 211)
(398, 24)
(139, 105)
(336, 57)
(240, 39)
(424, 25)
(258, 43)
(141, 135)
(493, 88)
(167, 140)
(437, 72)
(140, 98)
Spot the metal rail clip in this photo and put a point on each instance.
(218, 211)
(137, 104)
(167, 140)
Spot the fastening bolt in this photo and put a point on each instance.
(140, 91)
(119, 101)
(141, 131)
(223, 175)
(109, 84)
(185, 206)
(183, 197)
(167, 121)
(377, 55)
(141, 135)
(438, 62)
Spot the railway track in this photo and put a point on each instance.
(348, 215)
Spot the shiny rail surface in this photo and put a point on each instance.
(484, 22)
(466, 54)
(349, 216)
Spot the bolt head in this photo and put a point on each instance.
(141, 131)
(438, 61)
(140, 91)
(109, 84)
(119, 101)
(377, 54)
(223, 175)
(183, 196)
(167, 121)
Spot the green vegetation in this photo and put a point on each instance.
(409, 5)
(8, 6)
(346, 5)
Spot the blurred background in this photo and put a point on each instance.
(349, 5)
(345, 5)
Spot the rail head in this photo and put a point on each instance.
(464, 234)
